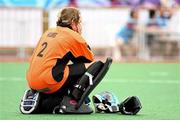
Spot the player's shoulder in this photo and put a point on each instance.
(50, 30)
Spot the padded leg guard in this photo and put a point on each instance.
(74, 104)
(86, 80)
(96, 80)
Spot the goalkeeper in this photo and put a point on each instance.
(57, 73)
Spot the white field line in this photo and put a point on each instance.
(150, 81)
(2, 79)
(112, 80)
(159, 74)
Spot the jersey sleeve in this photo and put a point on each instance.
(81, 50)
(82, 53)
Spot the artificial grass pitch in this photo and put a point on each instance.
(156, 85)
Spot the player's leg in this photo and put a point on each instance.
(75, 72)
(94, 74)
(96, 79)
(86, 80)
(117, 53)
(70, 100)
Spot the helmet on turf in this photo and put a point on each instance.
(105, 101)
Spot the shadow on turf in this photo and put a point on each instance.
(99, 114)
(117, 114)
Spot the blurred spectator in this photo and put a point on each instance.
(159, 35)
(163, 18)
(157, 21)
(152, 18)
(93, 3)
(151, 24)
(124, 37)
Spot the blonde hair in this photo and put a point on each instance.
(67, 16)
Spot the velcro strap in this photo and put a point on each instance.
(90, 78)
(79, 87)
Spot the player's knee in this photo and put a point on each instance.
(95, 68)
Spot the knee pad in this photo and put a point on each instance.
(106, 102)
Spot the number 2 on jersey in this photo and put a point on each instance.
(44, 45)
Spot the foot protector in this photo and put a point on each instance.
(29, 102)
(67, 106)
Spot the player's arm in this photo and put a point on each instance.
(83, 54)
(80, 49)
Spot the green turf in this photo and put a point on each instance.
(157, 85)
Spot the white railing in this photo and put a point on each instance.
(20, 27)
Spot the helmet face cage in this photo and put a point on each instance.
(106, 102)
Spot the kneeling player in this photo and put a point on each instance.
(50, 76)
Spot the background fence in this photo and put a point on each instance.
(21, 28)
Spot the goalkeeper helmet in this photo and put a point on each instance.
(130, 106)
(106, 102)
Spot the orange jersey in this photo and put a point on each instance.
(54, 47)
